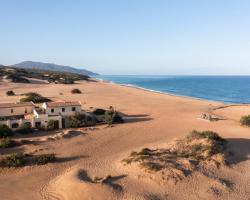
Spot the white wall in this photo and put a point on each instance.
(16, 111)
(68, 110)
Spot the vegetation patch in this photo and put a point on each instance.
(20, 160)
(182, 155)
(5, 131)
(245, 120)
(112, 116)
(13, 160)
(44, 159)
(34, 97)
(7, 142)
(10, 93)
(25, 129)
(76, 91)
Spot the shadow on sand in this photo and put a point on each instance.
(239, 150)
(68, 159)
(136, 118)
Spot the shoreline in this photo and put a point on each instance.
(169, 93)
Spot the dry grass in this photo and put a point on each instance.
(192, 150)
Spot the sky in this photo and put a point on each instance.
(155, 37)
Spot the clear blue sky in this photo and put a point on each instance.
(129, 36)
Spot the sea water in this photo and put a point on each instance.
(227, 89)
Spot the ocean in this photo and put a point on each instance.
(227, 89)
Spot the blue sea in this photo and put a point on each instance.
(227, 89)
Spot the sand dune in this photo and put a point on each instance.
(152, 120)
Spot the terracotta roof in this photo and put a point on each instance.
(11, 105)
(63, 103)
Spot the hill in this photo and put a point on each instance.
(22, 75)
(52, 67)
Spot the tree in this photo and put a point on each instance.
(5, 131)
(75, 121)
(111, 116)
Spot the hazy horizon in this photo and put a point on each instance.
(131, 37)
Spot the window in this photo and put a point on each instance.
(52, 110)
(12, 111)
(14, 125)
(73, 108)
(25, 111)
(63, 109)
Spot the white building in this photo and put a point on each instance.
(15, 115)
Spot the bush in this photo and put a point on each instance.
(5, 131)
(245, 120)
(10, 93)
(6, 142)
(205, 134)
(99, 111)
(76, 91)
(34, 97)
(111, 117)
(25, 129)
(44, 159)
(13, 160)
(75, 121)
(51, 124)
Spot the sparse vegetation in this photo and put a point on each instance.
(6, 142)
(197, 146)
(76, 91)
(34, 97)
(5, 131)
(20, 75)
(44, 159)
(13, 160)
(111, 116)
(19, 159)
(10, 93)
(245, 120)
(51, 124)
(75, 121)
(25, 129)
(205, 134)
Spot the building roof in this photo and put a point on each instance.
(12, 105)
(63, 103)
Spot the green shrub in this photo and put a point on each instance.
(6, 142)
(44, 159)
(111, 117)
(13, 160)
(25, 129)
(51, 124)
(205, 134)
(245, 120)
(34, 97)
(5, 131)
(76, 91)
(75, 121)
(99, 111)
(10, 93)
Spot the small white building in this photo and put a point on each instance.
(13, 114)
(64, 108)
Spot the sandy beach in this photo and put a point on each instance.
(153, 120)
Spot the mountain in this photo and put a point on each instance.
(52, 67)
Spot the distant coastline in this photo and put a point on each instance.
(224, 91)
